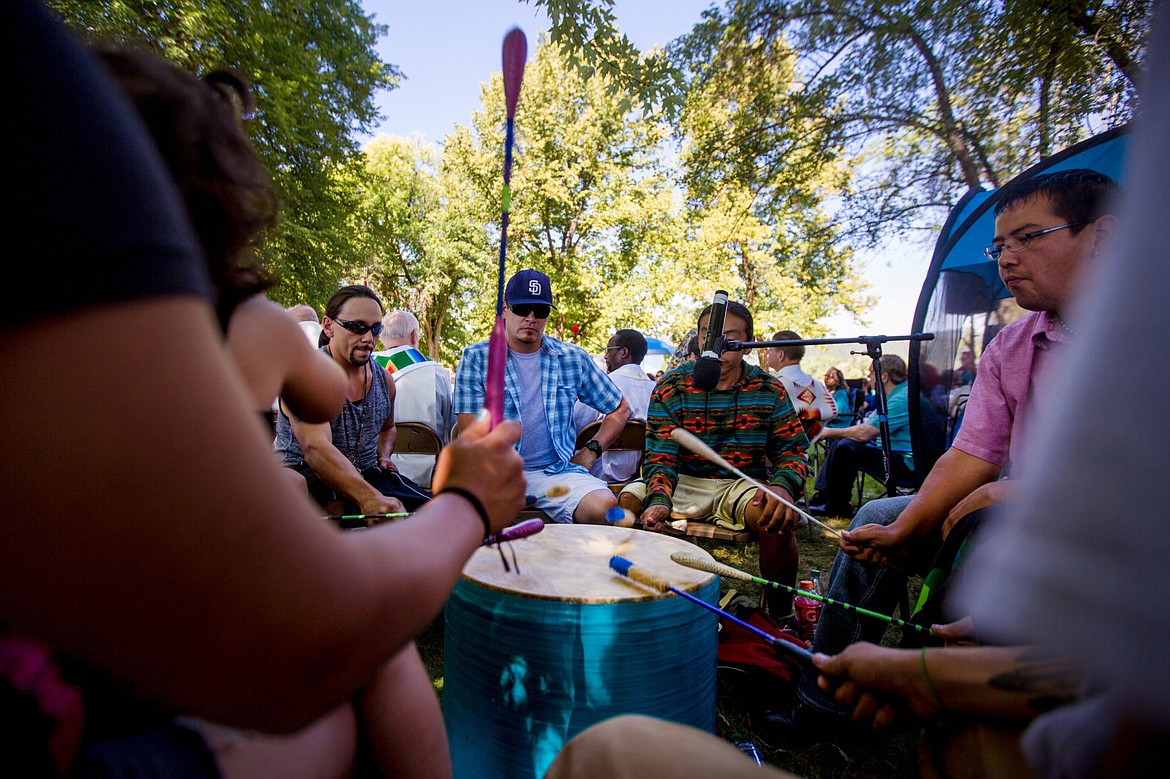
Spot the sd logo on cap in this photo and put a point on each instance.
(528, 286)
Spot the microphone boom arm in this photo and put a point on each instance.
(873, 349)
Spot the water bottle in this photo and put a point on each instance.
(808, 611)
(815, 575)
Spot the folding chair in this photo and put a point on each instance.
(632, 438)
(417, 438)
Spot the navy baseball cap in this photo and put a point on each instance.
(528, 286)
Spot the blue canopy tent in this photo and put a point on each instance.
(657, 353)
(658, 346)
(964, 303)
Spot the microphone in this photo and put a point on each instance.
(707, 367)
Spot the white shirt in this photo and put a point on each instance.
(637, 387)
(312, 331)
(422, 394)
(811, 399)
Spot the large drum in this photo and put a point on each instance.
(534, 658)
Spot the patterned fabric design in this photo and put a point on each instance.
(567, 374)
(752, 425)
(397, 359)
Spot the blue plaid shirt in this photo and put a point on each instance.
(567, 374)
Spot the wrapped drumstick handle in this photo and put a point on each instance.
(626, 568)
(689, 440)
(520, 530)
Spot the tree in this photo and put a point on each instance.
(315, 72)
(587, 38)
(927, 100)
(761, 205)
(419, 244)
(588, 191)
(919, 100)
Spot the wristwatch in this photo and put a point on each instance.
(593, 446)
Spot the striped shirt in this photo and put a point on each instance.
(567, 374)
(752, 425)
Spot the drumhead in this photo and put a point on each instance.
(571, 563)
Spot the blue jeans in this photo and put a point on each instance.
(837, 477)
(865, 586)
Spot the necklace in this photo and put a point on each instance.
(1064, 325)
(351, 446)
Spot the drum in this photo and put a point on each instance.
(533, 658)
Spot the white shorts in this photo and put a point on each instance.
(579, 482)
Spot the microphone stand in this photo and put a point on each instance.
(873, 348)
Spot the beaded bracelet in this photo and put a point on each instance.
(475, 504)
(930, 685)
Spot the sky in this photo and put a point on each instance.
(447, 48)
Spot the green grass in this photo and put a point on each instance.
(814, 756)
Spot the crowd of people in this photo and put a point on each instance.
(173, 604)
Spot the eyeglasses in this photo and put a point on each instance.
(613, 348)
(1019, 243)
(359, 328)
(539, 310)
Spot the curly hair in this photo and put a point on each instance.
(197, 125)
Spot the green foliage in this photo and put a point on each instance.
(315, 72)
(418, 238)
(759, 204)
(596, 206)
(590, 43)
(922, 100)
(886, 111)
(588, 193)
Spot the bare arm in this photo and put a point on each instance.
(611, 427)
(462, 421)
(334, 468)
(195, 571)
(861, 433)
(1013, 682)
(276, 359)
(953, 477)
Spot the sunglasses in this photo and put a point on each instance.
(539, 310)
(359, 328)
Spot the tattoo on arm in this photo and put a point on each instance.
(1047, 681)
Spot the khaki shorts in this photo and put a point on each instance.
(722, 501)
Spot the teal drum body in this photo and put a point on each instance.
(533, 658)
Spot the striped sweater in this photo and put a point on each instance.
(752, 425)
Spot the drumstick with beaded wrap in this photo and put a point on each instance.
(515, 52)
(720, 569)
(627, 569)
(520, 530)
(692, 442)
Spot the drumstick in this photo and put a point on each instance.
(515, 52)
(626, 568)
(520, 530)
(692, 442)
(359, 521)
(394, 515)
(625, 518)
(710, 566)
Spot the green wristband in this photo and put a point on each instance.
(929, 684)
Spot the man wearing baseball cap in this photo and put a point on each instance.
(544, 378)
